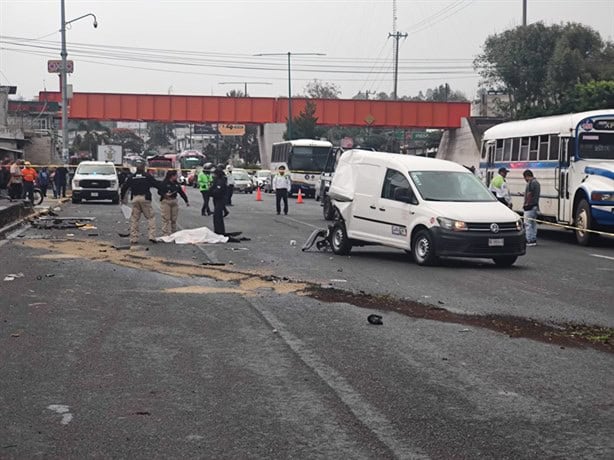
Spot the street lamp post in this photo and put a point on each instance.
(290, 54)
(63, 76)
(245, 83)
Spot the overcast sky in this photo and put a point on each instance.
(216, 40)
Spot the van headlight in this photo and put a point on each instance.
(75, 183)
(519, 225)
(601, 196)
(452, 225)
(113, 184)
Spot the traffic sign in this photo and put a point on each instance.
(55, 66)
(419, 135)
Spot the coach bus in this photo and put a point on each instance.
(572, 156)
(157, 165)
(304, 159)
(188, 160)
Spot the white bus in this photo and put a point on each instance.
(572, 156)
(304, 159)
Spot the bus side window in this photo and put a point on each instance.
(524, 149)
(534, 148)
(543, 148)
(499, 150)
(554, 147)
(507, 150)
(515, 149)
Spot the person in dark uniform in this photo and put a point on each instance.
(169, 208)
(219, 190)
(139, 185)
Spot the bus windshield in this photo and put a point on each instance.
(450, 186)
(308, 158)
(597, 146)
(191, 162)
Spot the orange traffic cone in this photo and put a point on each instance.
(299, 198)
(258, 194)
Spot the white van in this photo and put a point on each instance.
(95, 180)
(430, 208)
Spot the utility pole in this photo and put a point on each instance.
(289, 54)
(64, 90)
(64, 72)
(524, 12)
(397, 36)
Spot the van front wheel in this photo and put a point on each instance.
(423, 248)
(339, 240)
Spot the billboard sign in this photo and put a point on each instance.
(231, 130)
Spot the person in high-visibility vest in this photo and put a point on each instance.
(498, 186)
(204, 186)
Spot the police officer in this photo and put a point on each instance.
(219, 191)
(230, 185)
(169, 208)
(282, 186)
(139, 185)
(498, 187)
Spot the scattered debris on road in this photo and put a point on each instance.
(375, 320)
(320, 237)
(54, 222)
(13, 276)
(565, 334)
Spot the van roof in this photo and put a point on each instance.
(306, 143)
(400, 162)
(96, 163)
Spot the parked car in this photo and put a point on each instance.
(95, 180)
(243, 183)
(430, 208)
(263, 179)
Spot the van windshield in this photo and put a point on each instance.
(450, 186)
(96, 169)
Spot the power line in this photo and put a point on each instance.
(239, 65)
(443, 18)
(225, 75)
(52, 45)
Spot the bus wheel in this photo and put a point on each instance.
(583, 221)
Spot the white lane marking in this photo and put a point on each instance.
(602, 257)
(368, 415)
(63, 410)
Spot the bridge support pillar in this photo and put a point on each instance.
(268, 134)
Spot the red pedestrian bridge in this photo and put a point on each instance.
(260, 110)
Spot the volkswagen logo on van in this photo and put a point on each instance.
(494, 228)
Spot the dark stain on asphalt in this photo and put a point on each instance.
(562, 334)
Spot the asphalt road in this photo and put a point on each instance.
(556, 281)
(109, 353)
